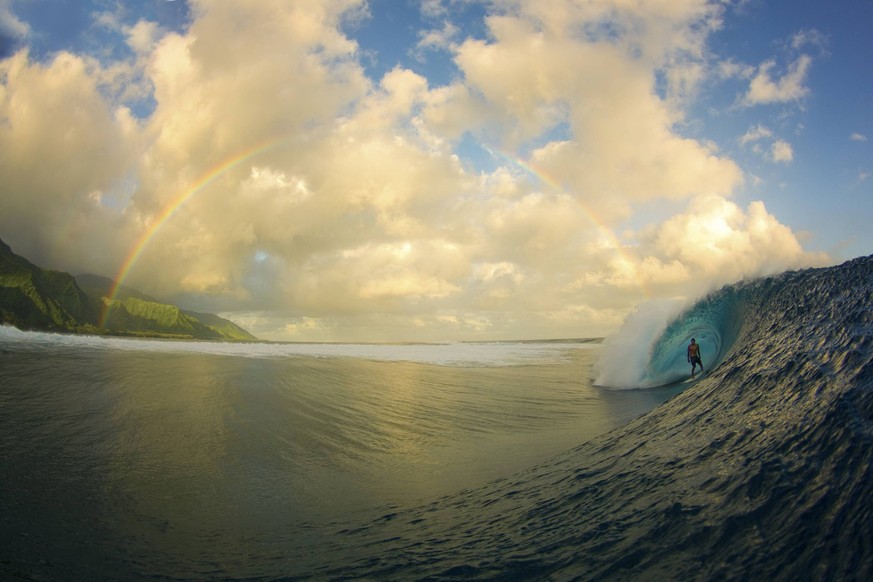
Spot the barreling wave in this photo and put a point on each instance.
(714, 322)
(761, 470)
(650, 349)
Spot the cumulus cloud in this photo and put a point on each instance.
(858, 137)
(65, 157)
(624, 147)
(318, 203)
(718, 242)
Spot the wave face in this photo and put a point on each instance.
(761, 470)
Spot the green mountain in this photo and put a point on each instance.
(140, 313)
(40, 299)
(34, 298)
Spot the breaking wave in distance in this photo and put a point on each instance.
(458, 354)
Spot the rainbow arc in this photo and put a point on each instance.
(174, 205)
(552, 182)
(208, 177)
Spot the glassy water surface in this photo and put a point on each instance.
(161, 458)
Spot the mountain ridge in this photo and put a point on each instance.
(34, 298)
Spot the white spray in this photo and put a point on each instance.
(626, 353)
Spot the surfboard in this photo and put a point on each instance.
(695, 378)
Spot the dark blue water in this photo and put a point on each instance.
(163, 461)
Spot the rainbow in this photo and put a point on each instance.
(216, 171)
(530, 169)
(554, 183)
(173, 206)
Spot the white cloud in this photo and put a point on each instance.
(442, 38)
(764, 89)
(63, 149)
(858, 137)
(808, 38)
(755, 133)
(624, 147)
(142, 36)
(730, 69)
(433, 8)
(718, 242)
(781, 151)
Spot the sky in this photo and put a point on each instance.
(435, 170)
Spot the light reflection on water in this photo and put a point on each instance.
(155, 460)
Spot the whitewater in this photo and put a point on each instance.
(573, 460)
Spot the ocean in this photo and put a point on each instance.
(126, 459)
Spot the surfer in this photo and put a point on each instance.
(694, 357)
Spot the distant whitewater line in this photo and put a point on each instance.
(507, 353)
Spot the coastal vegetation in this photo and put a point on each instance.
(32, 298)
